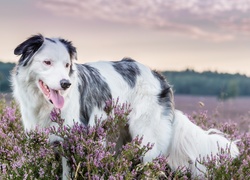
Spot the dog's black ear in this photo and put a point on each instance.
(28, 48)
(71, 49)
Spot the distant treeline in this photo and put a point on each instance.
(189, 82)
(5, 69)
(222, 85)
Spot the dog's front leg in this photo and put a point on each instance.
(66, 169)
(54, 139)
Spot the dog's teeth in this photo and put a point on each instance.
(47, 88)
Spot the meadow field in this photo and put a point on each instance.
(232, 110)
(31, 155)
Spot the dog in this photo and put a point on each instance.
(47, 77)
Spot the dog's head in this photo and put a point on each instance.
(50, 63)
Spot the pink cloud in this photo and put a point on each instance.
(238, 25)
(187, 17)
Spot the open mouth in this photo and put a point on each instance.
(53, 95)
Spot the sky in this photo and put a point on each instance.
(162, 34)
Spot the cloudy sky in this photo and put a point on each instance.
(163, 34)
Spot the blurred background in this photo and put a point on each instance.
(203, 47)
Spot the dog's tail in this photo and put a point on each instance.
(190, 144)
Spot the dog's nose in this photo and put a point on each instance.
(65, 84)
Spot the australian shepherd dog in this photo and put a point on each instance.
(47, 77)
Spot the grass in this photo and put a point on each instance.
(32, 156)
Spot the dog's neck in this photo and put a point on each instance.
(38, 114)
(35, 109)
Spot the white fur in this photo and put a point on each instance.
(190, 143)
(172, 133)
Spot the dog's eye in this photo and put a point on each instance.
(67, 65)
(47, 63)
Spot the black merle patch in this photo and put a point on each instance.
(51, 40)
(72, 52)
(128, 70)
(165, 96)
(71, 49)
(28, 48)
(94, 91)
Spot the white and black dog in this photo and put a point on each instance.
(46, 77)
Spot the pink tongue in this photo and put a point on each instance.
(56, 98)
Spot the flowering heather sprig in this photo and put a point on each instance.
(201, 119)
(117, 119)
(220, 166)
(205, 122)
(223, 166)
(243, 162)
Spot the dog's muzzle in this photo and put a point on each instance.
(65, 84)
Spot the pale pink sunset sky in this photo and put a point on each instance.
(163, 34)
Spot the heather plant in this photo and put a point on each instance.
(222, 165)
(92, 152)
(24, 155)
